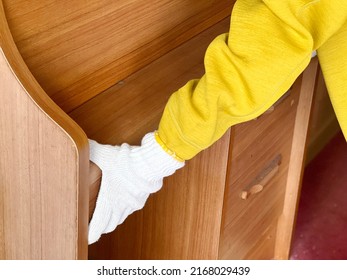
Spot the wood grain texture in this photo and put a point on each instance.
(43, 167)
(138, 101)
(256, 145)
(170, 225)
(145, 51)
(89, 46)
(134, 106)
(94, 186)
(287, 219)
(181, 221)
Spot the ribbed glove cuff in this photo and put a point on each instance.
(151, 161)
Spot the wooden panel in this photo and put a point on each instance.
(240, 239)
(39, 180)
(297, 156)
(139, 101)
(76, 49)
(170, 226)
(265, 247)
(134, 106)
(94, 186)
(43, 168)
(181, 221)
(256, 148)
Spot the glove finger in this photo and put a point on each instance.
(117, 216)
(102, 155)
(101, 216)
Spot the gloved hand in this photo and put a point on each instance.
(129, 175)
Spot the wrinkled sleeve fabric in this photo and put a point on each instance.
(333, 60)
(268, 45)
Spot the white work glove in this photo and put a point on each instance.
(129, 175)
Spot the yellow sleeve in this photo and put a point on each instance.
(333, 60)
(268, 45)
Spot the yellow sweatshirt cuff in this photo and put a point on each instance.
(165, 148)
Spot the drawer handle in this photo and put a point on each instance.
(263, 178)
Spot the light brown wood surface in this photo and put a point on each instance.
(131, 109)
(94, 186)
(43, 164)
(139, 101)
(112, 66)
(156, 232)
(258, 147)
(181, 221)
(88, 46)
(297, 157)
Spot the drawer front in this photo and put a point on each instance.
(258, 169)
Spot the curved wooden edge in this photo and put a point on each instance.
(37, 94)
(94, 186)
(74, 132)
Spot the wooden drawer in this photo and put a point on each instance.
(259, 162)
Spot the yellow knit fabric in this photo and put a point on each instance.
(268, 46)
(333, 59)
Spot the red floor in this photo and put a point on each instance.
(321, 229)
